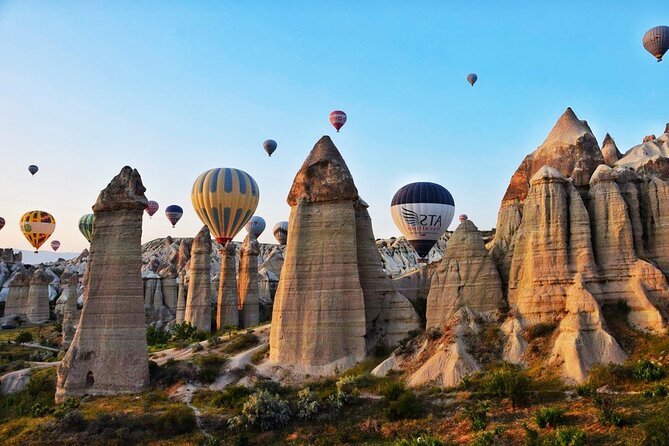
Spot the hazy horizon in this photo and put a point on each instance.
(174, 89)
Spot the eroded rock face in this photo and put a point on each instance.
(248, 282)
(70, 311)
(318, 321)
(108, 354)
(17, 296)
(228, 295)
(466, 277)
(610, 151)
(37, 302)
(198, 305)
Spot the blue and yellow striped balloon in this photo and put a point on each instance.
(225, 199)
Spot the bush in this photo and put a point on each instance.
(39, 410)
(486, 438)
(607, 412)
(307, 404)
(65, 407)
(549, 416)
(349, 385)
(241, 342)
(156, 336)
(612, 375)
(562, 437)
(586, 391)
(263, 411)
(407, 406)
(393, 390)
(186, 332)
(656, 431)
(648, 371)
(421, 440)
(209, 366)
(540, 330)
(23, 337)
(508, 381)
(232, 397)
(477, 413)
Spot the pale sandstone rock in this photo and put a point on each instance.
(37, 302)
(228, 297)
(170, 291)
(108, 354)
(657, 193)
(318, 321)
(466, 277)
(70, 311)
(182, 287)
(17, 296)
(198, 304)
(582, 339)
(610, 151)
(515, 344)
(248, 282)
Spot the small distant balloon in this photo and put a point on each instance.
(472, 78)
(55, 245)
(33, 169)
(174, 213)
(255, 226)
(656, 41)
(338, 119)
(270, 146)
(280, 231)
(2, 222)
(152, 208)
(37, 227)
(463, 217)
(86, 226)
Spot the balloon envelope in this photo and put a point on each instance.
(152, 208)
(338, 119)
(55, 245)
(463, 217)
(33, 169)
(174, 213)
(269, 146)
(422, 212)
(37, 227)
(656, 41)
(255, 226)
(2, 222)
(472, 78)
(225, 199)
(280, 231)
(86, 226)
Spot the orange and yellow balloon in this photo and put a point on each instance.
(225, 199)
(37, 227)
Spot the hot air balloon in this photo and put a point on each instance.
(33, 169)
(280, 231)
(37, 227)
(422, 212)
(225, 199)
(255, 226)
(2, 222)
(656, 41)
(472, 78)
(55, 245)
(463, 217)
(337, 119)
(174, 213)
(86, 226)
(270, 146)
(152, 208)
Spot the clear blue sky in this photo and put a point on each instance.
(175, 88)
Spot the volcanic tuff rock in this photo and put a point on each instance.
(17, 296)
(37, 302)
(572, 150)
(465, 277)
(228, 296)
(198, 303)
(248, 282)
(70, 311)
(318, 321)
(108, 354)
(610, 151)
(650, 157)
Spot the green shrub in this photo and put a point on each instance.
(232, 397)
(188, 333)
(39, 410)
(565, 436)
(487, 438)
(477, 413)
(407, 406)
(209, 366)
(241, 342)
(549, 416)
(156, 336)
(656, 431)
(393, 390)
(508, 381)
(540, 330)
(263, 411)
(308, 404)
(586, 390)
(421, 440)
(23, 337)
(612, 375)
(648, 371)
(350, 384)
(607, 412)
(65, 407)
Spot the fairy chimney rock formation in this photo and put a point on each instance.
(198, 303)
(610, 151)
(318, 320)
(249, 304)
(70, 311)
(37, 302)
(227, 313)
(465, 277)
(108, 354)
(182, 289)
(17, 296)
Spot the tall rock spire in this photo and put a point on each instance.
(198, 303)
